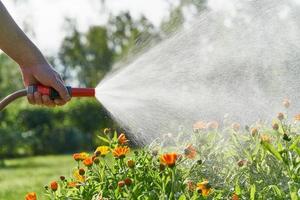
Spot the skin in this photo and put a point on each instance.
(34, 67)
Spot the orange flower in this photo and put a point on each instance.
(80, 156)
(169, 159)
(72, 184)
(204, 188)
(30, 196)
(297, 117)
(213, 125)
(190, 152)
(200, 125)
(236, 127)
(120, 152)
(88, 162)
(53, 186)
(122, 139)
(235, 196)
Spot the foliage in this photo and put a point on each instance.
(212, 163)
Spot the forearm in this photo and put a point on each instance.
(15, 43)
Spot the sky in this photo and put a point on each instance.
(47, 17)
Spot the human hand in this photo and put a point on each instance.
(44, 74)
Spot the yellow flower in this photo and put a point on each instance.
(120, 152)
(102, 150)
(204, 188)
(78, 177)
(169, 159)
(80, 156)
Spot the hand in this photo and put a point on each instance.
(44, 74)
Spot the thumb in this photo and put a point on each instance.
(59, 86)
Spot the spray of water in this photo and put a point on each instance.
(238, 59)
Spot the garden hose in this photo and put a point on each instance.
(44, 90)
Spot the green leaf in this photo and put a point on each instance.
(237, 188)
(104, 139)
(272, 150)
(182, 197)
(252, 192)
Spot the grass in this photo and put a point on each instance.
(20, 176)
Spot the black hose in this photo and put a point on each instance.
(10, 98)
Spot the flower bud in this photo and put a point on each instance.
(128, 181)
(121, 184)
(81, 171)
(131, 164)
(62, 178)
(53, 186)
(280, 116)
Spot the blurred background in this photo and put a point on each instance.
(83, 40)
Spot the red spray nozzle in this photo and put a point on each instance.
(44, 90)
(53, 94)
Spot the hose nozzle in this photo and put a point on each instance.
(44, 90)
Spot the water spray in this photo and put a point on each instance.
(44, 90)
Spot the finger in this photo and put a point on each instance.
(30, 98)
(47, 101)
(61, 89)
(38, 98)
(59, 102)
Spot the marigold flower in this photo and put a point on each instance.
(30, 196)
(120, 152)
(169, 159)
(213, 125)
(53, 186)
(190, 152)
(204, 188)
(297, 117)
(280, 116)
(72, 184)
(80, 156)
(88, 162)
(78, 177)
(200, 125)
(265, 138)
(235, 196)
(102, 150)
(131, 164)
(236, 127)
(122, 139)
(286, 103)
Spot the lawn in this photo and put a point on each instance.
(31, 174)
